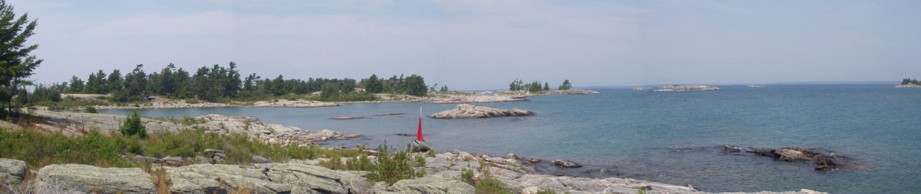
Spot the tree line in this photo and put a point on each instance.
(519, 85)
(219, 82)
(910, 81)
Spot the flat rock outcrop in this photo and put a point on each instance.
(467, 111)
(86, 178)
(433, 185)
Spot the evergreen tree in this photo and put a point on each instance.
(76, 85)
(415, 85)
(115, 82)
(373, 84)
(133, 126)
(566, 85)
(16, 60)
(329, 91)
(546, 86)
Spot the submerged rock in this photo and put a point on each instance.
(822, 159)
(565, 164)
(466, 111)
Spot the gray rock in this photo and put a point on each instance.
(12, 171)
(86, 178)
(430, 184)
(565, 164)
(319, 179)
(466, 111)
(171, 161)
(207, 178)
(260, 160)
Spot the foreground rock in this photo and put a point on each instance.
(443, 176)
(466, 111)
(91, 179)
(433, 185)
(267, 178)
(12, 171)
(76, 124)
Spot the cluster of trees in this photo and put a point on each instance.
(412, 85)
(219, 82)
(518, 85)
(910, 81)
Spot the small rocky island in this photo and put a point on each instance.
(469, 111)
(685, 88)
(909, 83)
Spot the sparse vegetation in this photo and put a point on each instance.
(40, 149)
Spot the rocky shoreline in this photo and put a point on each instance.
(443, 170)
(74, 124)
(444, 175)
(156, 102)
(908, 86)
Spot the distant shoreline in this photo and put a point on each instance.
(441, 98)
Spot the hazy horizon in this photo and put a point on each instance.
(471, 45)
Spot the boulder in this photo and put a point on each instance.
(171, 161)
(565, 164)
(214, 156)
(466, 111)
(431, 184)
(86, 178)
(12, 171)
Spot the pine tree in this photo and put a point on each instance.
(16, 60)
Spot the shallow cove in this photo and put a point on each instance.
(665, 137)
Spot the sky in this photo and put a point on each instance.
(486, 44)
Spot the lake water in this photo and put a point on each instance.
(666, 137)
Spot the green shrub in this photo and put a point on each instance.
(467, 176)
(40, 149)
(133, 126)
(490, 185)
(90, 109)
(393, 166)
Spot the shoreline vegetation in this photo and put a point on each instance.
(909, 83)
(216, 153)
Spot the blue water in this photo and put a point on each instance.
(667, 137)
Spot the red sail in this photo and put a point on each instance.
(419, 131)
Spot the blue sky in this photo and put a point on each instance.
(485, 44)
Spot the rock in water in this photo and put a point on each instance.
(12, 171)
(467, 111)
(86, 178)
(565, 164)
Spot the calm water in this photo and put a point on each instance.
(636, 134)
